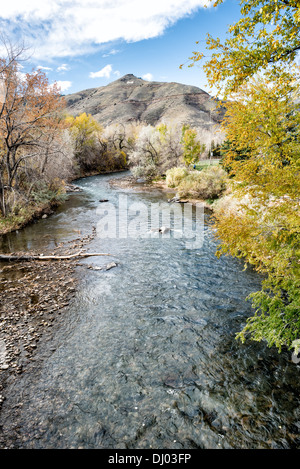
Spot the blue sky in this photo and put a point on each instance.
(86, 44)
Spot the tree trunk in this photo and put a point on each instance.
(2, 200)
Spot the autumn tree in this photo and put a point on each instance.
(156, 150)
(85, 130)
(120, 140)
(264, 225)
(229, 147)
(263, 122)
(30, 114)
(192, 147)
(97, 149)
(121, 137)
(267, 36)
(259, 221)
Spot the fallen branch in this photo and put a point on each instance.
(24, 257)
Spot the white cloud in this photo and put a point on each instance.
(63, 68)
(64, 85)
(61, 28)
(112, 52)
(47, 69)
(104, 72)
(148, 76)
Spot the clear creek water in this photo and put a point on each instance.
(146, 356)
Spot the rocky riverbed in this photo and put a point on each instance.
(142, 185)
(33, 295)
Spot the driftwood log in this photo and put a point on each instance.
(29, 257)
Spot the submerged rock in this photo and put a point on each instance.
(163, 229)
(103, 267)
(72, 188)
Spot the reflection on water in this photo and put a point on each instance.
(147, 357)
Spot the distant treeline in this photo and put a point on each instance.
(42, 148)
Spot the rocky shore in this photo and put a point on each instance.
(33, 295)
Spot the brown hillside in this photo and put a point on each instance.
(131, 99)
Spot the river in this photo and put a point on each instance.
(146, 355)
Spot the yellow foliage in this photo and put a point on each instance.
(262, 222)
(85, 130)
(251, 46)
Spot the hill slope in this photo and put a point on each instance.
(131, 99)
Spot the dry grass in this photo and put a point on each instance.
(209, 183)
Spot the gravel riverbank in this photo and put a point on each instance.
(33, 295)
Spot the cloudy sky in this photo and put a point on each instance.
(86, 44)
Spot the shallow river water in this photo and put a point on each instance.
(146, 355)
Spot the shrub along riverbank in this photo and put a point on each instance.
(259, 222)
(207, 184)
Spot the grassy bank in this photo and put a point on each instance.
(27, 215)
(205, 163)
(44, 205)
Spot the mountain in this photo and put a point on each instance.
(132, 99)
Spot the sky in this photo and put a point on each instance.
(88, 44)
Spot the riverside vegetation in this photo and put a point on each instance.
(41, 148)
(256, 71)
(254, 192)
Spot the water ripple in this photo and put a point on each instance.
(150, 357)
